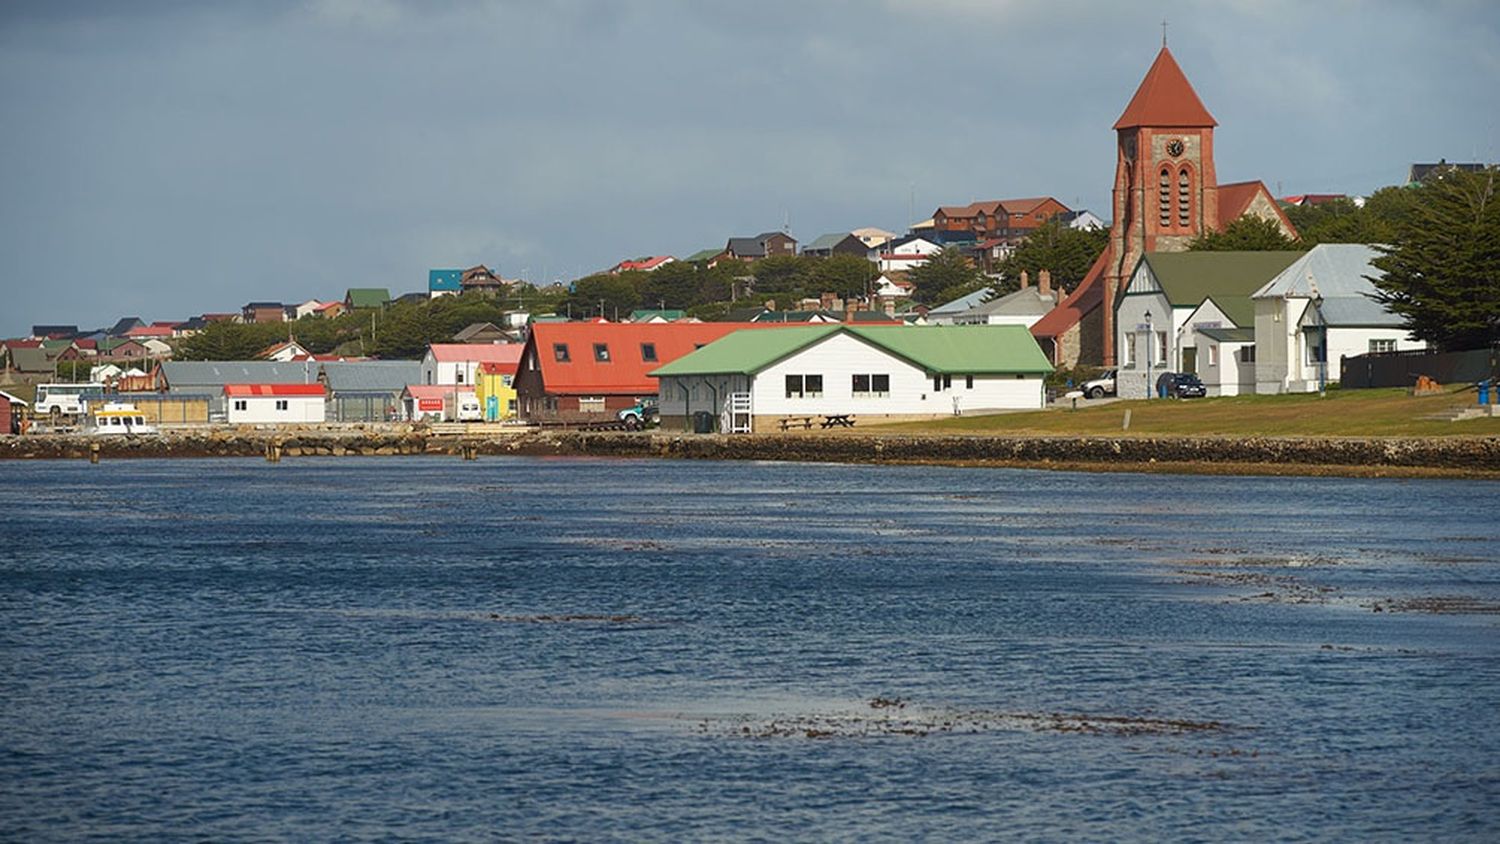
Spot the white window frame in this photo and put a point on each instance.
(591, 404)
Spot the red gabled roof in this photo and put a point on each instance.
(1165, 99)
(626, 370)
(273, 390)
(1070, 311)
(476, 352)
(489, 368)
(1235, 199)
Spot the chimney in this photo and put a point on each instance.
(1025, 279)
(1044, 283)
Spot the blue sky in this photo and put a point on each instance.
(162, 159)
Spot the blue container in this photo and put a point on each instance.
(1484, 392)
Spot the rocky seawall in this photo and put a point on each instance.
(1458, 456)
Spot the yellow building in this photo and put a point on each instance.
(494, 387)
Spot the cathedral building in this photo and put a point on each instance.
(1166, 193)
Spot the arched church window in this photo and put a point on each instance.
(1164, 197)
(1184, 197)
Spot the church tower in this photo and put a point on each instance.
(1165, 191)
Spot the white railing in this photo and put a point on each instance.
(737, 416)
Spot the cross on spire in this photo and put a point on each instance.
(1164, 33)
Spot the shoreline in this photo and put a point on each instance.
(1401, 457)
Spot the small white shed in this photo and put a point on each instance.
(287, 404)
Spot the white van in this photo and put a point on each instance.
(462, 407)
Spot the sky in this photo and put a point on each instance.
(165, 158)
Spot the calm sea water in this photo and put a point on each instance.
(653, 650)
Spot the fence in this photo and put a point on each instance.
(363, 407)
(1401, 369)
(168, 409)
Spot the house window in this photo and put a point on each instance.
(804, 386)
(1161, 346)
(1213, 355)
(241, 404)
(549, 404)
(506, 380)
(1381, 346)
(281, 404)
(1130, 351)
(648, 352)
(871, 386)
(591, 404)
(941, 383)
(601, 352)
(511, 406)
(1315, 353)
(968, 382)
(458, 375)
(1247, 354)
(560, 352)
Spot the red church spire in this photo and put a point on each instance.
(1165, 99)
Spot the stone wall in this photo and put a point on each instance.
(1307, 455)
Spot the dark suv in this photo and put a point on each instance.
(1180, 385)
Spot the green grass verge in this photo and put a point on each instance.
(1346, 413)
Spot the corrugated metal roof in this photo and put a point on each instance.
(952, 349)
(186, 376)
(1337, 272)
(273, 389)
(476, 352)
(371, 376)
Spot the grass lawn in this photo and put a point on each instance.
(1351, 413)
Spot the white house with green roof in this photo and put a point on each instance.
(1160, 318)
(870, 373)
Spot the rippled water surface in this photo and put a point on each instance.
(604, 650)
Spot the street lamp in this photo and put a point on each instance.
(1317, 304)
(1150, 339)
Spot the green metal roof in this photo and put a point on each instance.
(1239, 309)
(702, 255)
(368, 297)
(1187, 278)
(939, 349)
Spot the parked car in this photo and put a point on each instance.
(1098, 388)
(642, 415)
(1180, 385)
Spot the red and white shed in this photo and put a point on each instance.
(292, 404)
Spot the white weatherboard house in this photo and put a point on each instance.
(1172, 300)
(755, 379)
(1324, 300)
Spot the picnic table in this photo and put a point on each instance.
(789, 422)
(838, 420)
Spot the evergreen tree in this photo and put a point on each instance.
(1247, 234)
(943, 273)
(1066, 252)
(1442, 269)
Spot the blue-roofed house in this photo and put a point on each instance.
(444, 283)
